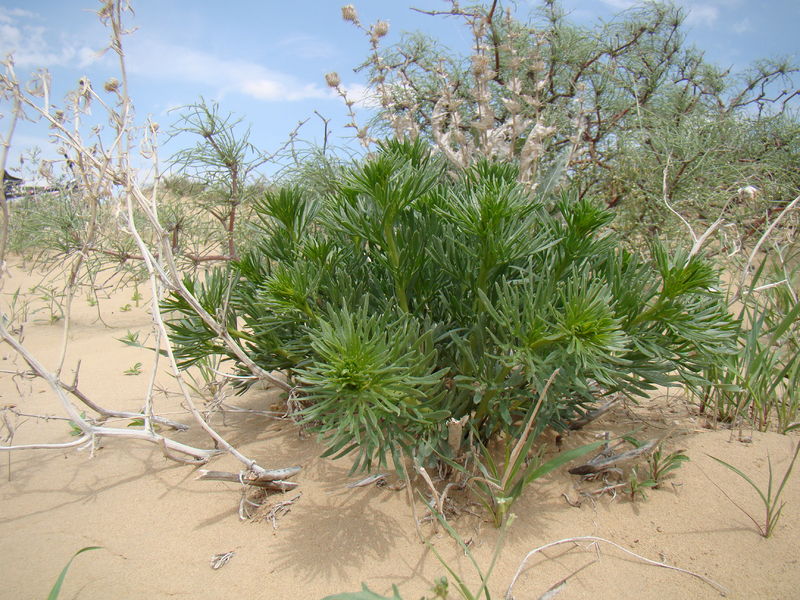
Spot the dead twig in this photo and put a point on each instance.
(603, 462)
(220, 560)
(280, 509)
(590, 538)
(378, 477)
(556, 588)
(270, 480)
(592, 415)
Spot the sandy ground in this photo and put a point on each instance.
(159, 526)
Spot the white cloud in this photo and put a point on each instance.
(188, 65)
(620, 4)
(698, 12)
(361, 95)
(262, 89)
(30, 49)
(742, 26)
(34, 45)
(87, 56)
(11, 35)
(702, 14)
(7, 15)
(23, 144)
(307, 46)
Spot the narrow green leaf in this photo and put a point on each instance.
(59, 582)
(559, 460)
(743, 476)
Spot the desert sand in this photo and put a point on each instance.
(159, 527)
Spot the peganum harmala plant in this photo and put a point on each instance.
(411, 294)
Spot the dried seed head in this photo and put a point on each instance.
(154, 127)
(46, 170)
(380, 29)
(542, 131)
(512, 106)
(36, 87)
(333, 79)
(747, 192)
(112, 85)
(106, 10)
(349, 13)
(85, 88)
(480, 64)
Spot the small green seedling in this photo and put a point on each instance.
(140, 423)
(134, 370)
(53, 300)
(74, 430)
(126, 308)
(661, 464)
(440, 588)
(131, 339)
(771, 503)
(637, 487)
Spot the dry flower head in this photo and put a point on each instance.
(349, 13)
(333, 79)
(380, 29)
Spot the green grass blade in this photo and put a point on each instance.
(453, 534)
(769, 483)
(788, 473)
(495, 555)
(773, 520)
(461, 585)
(60, 581)
(743, 476)
(788, 320)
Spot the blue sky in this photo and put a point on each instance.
(265, 60)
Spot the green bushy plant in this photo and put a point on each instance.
(409, 293)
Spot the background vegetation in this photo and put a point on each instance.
(555, 207)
